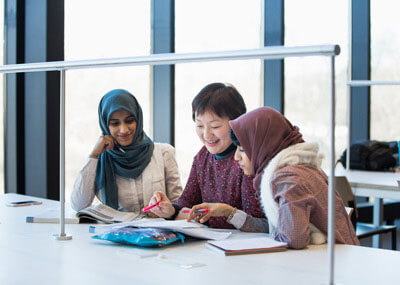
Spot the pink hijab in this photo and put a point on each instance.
(263, 133)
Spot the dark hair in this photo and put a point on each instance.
(234, 138)
(222, 99)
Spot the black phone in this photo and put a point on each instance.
(23, 203)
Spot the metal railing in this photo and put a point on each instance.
(267, 53)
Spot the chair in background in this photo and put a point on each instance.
(363, 230)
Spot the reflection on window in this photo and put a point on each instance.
(118, 28)
(385, 60)
(307, 80)
(209, 26)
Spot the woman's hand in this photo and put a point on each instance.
(165, 208)
(103, 143)
(215, 210)
(182, 215)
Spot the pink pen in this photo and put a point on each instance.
(186, 211)
(145, 209)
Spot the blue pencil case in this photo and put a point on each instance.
(146, 237)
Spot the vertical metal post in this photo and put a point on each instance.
(349, 78)
(62, 235)
(378, 220)
(348, 126)
(331, 188)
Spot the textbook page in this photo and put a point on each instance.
(167, 224)
(106, 214)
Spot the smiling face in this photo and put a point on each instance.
(122, 127)
(213, 131)
(243, 160)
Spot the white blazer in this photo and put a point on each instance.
(161, 174)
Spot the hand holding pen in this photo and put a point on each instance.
(187, 211)
(160, 205)
(204, 211)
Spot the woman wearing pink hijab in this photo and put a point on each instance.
(286, 170)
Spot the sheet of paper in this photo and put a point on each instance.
(167, 224)
(192, 229)
(248, 243)
(205, 233)
(150, 223)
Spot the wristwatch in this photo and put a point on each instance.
(231, 214)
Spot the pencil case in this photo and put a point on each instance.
(146, 237)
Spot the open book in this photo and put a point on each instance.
(246, 246)
(92, 213)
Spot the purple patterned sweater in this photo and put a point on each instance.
(220, 181)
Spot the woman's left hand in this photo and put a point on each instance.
(215, 210)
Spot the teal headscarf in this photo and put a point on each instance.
(111, 162)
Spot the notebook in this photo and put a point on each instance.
(246, 246)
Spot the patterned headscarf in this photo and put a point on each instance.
(133, 160)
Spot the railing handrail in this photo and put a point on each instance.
(273, 52)
(362, 83)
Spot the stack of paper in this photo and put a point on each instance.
(192, 229)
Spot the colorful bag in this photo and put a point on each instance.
(146, 237)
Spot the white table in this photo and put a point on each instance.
(30, 255)
(380, 185)
(373, 183)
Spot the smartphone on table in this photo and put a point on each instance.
(23, 203)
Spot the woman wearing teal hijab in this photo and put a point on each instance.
(125, 167)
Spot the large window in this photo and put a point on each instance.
(212, 26)
(385, 61)
(102, 29)
(307, 80)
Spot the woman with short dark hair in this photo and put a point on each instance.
(217, 190)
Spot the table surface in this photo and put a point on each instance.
(373, 183)
(30, 255)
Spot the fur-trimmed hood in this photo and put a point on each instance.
(301, 153)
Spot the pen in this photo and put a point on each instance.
(145, 209)
(196, 211)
